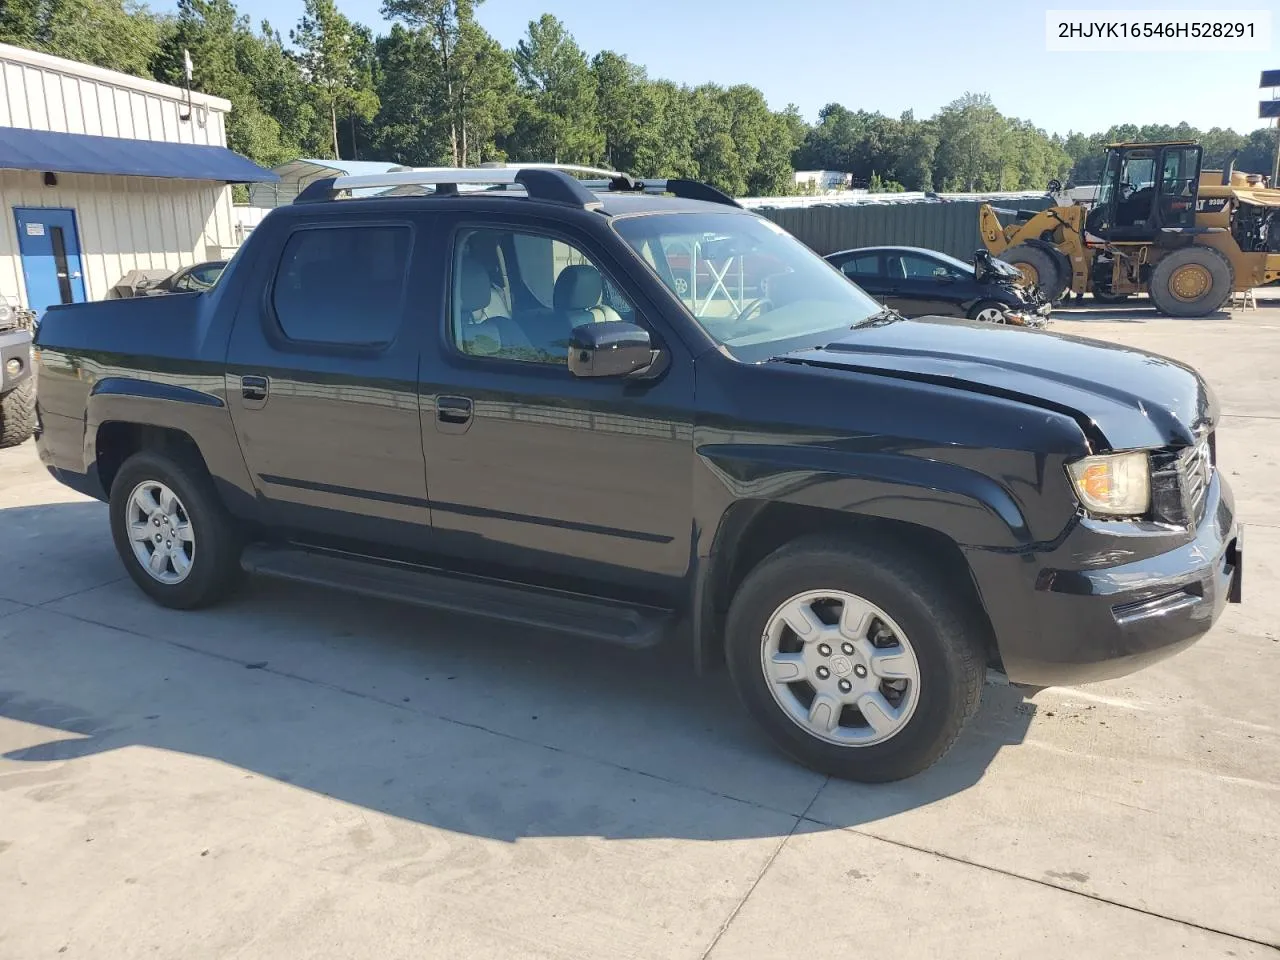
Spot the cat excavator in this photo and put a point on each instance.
(1160, 225)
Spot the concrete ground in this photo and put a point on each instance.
(298, 774)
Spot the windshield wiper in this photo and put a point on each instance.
(879, 318)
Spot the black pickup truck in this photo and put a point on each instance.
(504, 402)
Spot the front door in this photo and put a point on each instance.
(923, 286)
(50, 251)
(532, 469)
(1179, 186)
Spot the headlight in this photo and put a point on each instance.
(1113, 485)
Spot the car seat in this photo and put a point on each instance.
(479, 333)
(575, 301)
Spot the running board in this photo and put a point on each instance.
(559, 610)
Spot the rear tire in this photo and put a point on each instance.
(1038, 267)
(18, 414)
(1191, 282)
(900, 610)
(146, 523)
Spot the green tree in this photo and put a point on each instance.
(117, 35)
(442, 27)
(556, 115)
(622, 105)
(329, 54)
(971, 132)
(273, 117)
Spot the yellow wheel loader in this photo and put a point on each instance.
(1159, 226)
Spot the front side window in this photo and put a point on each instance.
(342, 285)
(922, 268)
(748, 283)
(517, 295)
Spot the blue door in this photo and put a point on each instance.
(50, 250)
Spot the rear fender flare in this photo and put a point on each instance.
(200, 414)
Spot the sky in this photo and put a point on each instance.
(890, 57)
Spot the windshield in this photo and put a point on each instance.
(752, 286)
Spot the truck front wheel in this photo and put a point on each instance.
(176, 539)
(855, 661)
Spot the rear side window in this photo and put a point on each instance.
(342, 285)
(866, 265)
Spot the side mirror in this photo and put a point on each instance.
(613, 348)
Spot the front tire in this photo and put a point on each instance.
(18, 414)
(855, 660)
(176, 539)
(1191, 282)
(988, 311)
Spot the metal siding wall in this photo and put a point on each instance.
(56, 97)
(124, 223)
(951, 227)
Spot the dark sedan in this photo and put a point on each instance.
(919, 283)
(192, 279)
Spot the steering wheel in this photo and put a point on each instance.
(755, 308)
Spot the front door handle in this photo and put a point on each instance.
(254, 391)
(453, 414)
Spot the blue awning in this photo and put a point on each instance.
(22, 149)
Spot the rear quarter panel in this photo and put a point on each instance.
(156, 361)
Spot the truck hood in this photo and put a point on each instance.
(1122, 398)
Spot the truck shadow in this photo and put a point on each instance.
(463, 726)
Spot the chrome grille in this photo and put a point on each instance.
(1196, 470)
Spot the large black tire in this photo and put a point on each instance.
(1191, 282)
(214, 565)
(945, 633)
(1039, 267)
(18, 414)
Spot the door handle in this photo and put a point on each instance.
(254, 391)
(453, 414)
(453, 409)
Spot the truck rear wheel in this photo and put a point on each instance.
(17, 414)
(1037, 267)
(853, 659)
(176, 539)
(1191, 282)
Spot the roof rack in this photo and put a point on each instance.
(542, 181)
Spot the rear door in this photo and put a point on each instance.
(866, 270)
(321, 379)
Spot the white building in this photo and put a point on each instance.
(823, 181)
(102, 174)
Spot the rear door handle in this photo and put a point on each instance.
(453, 414)
(254, 391)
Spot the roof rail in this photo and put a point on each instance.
(542, 181)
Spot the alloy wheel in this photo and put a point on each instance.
(840, 668)
(160, 532)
